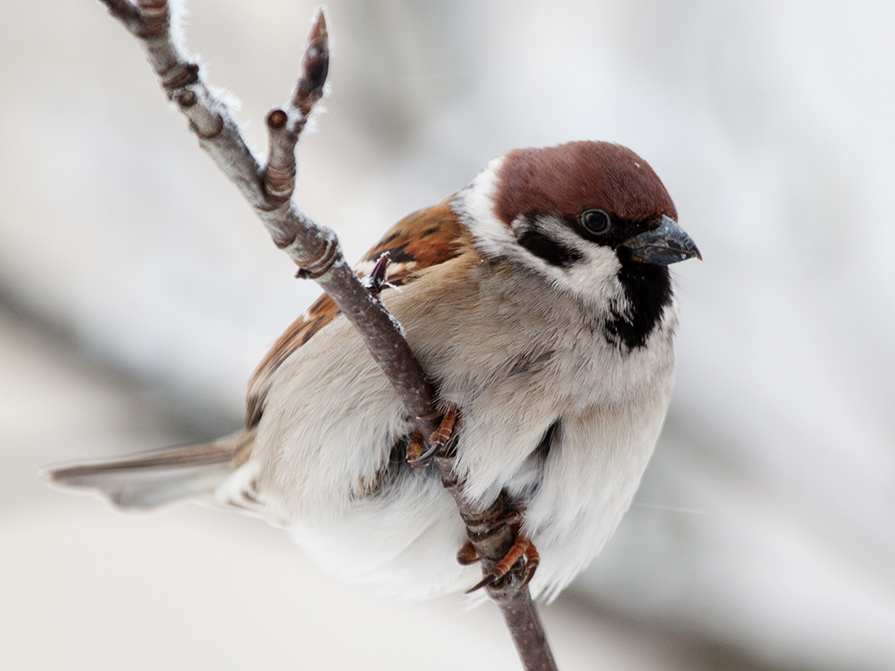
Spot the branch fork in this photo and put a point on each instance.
(316, 250)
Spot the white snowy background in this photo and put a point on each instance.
(137, 293)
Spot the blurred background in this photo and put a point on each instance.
(137, 293)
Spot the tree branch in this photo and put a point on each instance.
(316, 251)
(285, 126)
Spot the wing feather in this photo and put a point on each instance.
(423, 239)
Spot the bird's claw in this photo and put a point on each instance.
(523, 552)
(441, 441)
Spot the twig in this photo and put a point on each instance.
(284, 126)
(316, 251)
(511, 593)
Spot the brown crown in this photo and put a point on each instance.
(569, 178)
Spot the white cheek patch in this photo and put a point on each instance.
(592, 277)
(475, 205)
(596, 276)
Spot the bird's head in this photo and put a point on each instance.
(593, 217)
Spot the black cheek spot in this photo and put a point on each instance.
(544, 247)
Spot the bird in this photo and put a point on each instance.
(539, 302)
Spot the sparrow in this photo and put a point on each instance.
(539, 302)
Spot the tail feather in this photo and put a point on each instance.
(153, 478)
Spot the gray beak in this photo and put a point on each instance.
(663, 246)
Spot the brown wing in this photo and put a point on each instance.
(423, 239)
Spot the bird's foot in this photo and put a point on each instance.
(522, 554)
(441, 441)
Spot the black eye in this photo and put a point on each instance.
(596, 222)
